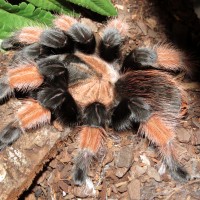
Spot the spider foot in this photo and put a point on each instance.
(9, 135)
(5, 91)
(82, 163)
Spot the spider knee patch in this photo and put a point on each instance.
(32, 114)
(29, 35)
(64, 22)
(25, 76)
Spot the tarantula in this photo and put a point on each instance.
(68, 77)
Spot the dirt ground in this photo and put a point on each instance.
(128, 168)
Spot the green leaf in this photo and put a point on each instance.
(52, 5)
(103, 7)
(14, 17)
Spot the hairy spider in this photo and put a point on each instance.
(65, 77)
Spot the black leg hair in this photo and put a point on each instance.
(60, 103)
(139, 59)
(78, 69)
(81, 166)
(11, 43)
(95, 115)
(109, 47)
(30, 52)
(5, 91)
(54, 70)
(9, 135)
(129, 113)
(55, 41)
(83, 37)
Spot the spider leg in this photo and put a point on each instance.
(111, 41)
(156, 130)
(92, 135)
(30, 52)
(153, 100)
(31, 115)
(164, 57)
(23, 77)
(83, 37)
(60, 102)
(129, 113)
(55, 41)
(26, 36)
(53, 70)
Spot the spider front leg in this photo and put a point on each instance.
(31, 115)
(23, 77)
(92, 136)
(111, 41)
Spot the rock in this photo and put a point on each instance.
(64, 186)
(183, 135)
(109, 158)
(120, 172)
(2, 173)
(142, 27)
(134, 189)
(196, 138)
(152, 23)
(153, 173)
(140, 170)
(124, 157)
(122, 188)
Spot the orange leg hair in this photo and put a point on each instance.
(156, 130)
(32, 115)
(90, 141)
(170, 58)
(64, 22)
(29, 35)
(26, 76)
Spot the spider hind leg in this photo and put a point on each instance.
(156, 130)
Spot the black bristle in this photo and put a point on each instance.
(139, 58)
(5, 92)
(51, 97)
(120, 118)
(75, 67)
(81, 165)
(83, 37)
(11, 43)
(129, 113)
(8, 135)
(53, 70)
(109, 47)
(95, 115)
(54, 41)
(68, 113)
(53, 38)
(29, 52)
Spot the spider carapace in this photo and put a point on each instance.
(68, 77)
